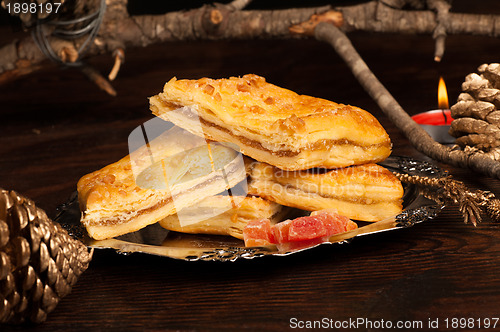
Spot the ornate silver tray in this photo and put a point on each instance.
(159, 241)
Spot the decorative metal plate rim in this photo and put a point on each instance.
(418, 209)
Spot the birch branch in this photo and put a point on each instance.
(415, 134)
(212, 22)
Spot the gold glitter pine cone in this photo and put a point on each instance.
(476, 114)
(39, 261)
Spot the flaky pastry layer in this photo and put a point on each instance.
(365, 192)
(230, 221)
(273, 124)
(172, 172)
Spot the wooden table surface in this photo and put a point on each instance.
(56, 126)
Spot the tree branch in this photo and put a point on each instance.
(119, 30)
(415, 134)
(210, 22)
(373, 16)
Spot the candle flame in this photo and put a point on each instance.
(442, 95)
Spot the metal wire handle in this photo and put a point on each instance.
(91, 29)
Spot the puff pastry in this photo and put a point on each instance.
(365, 192)
(172, 172)
(212, 216)
(272, 124)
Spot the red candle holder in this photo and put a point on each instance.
(437, 124)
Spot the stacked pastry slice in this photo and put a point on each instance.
(272, 124)
(303, 152)
(311, 153)
(170, 173)
(211, 216)
(366, 192)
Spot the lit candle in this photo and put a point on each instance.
(437, 122)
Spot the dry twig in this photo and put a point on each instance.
(239, 4)
(442, 8)
(119, 59)
(94, 76)
(415, 134)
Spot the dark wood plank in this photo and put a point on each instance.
(57, 127)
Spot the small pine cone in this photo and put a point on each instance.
(493, 209)
(476, 114)
(29, 11)
(39, 261)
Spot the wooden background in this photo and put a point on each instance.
(55, 126)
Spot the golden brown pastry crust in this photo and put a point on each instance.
(112, 203)
(230, 221)
(366, 192)
(273, 124)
